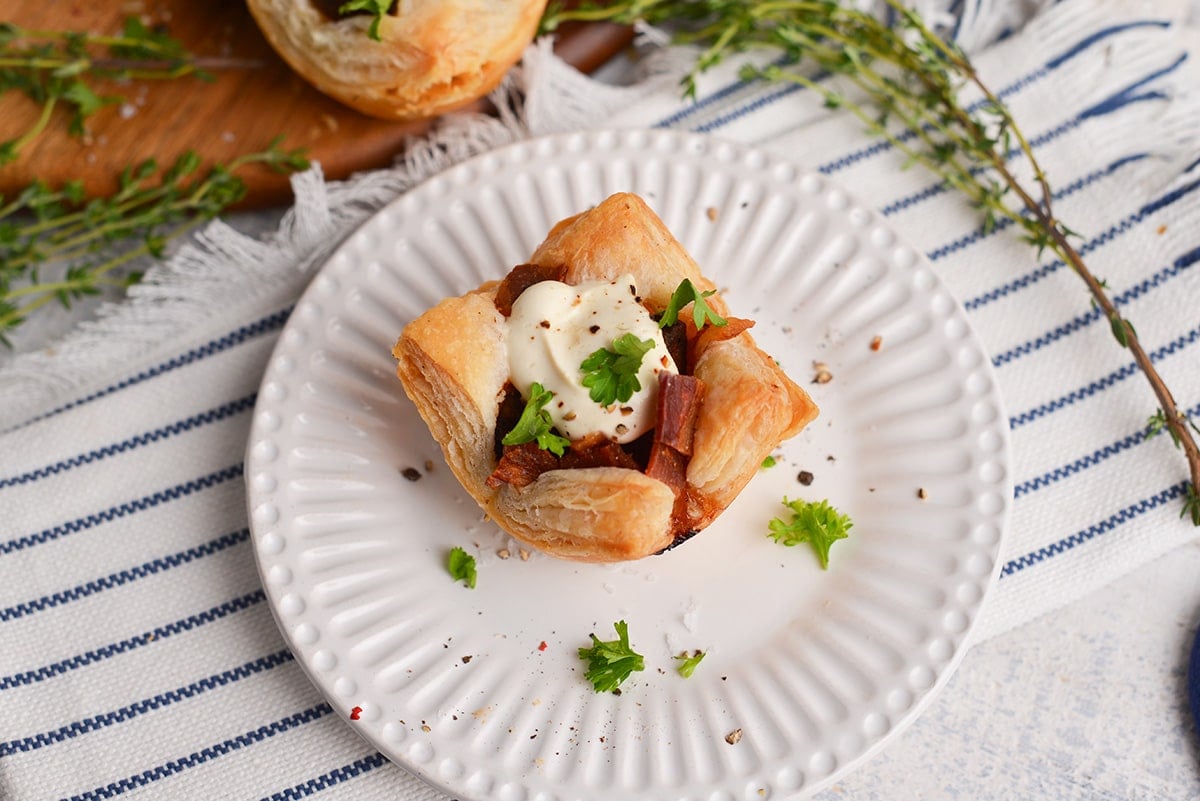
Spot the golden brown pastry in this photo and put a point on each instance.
(433, 55)
(454, 363)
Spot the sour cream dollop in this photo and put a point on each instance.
(554, 327)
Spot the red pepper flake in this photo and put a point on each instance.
(542, 646)
(356, 713)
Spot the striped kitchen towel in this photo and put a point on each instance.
(139, 655)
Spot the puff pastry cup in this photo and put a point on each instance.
(453, 364)
(434, 55)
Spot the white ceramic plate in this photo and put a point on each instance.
(815, 668)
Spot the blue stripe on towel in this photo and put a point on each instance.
(270, 323)
(710, 99)
(1108, 105)
(1082, 321)
(1131, 512)
(146, 705)
(1100, 36)
(214, 415)
(1130, 95)
(1083, 463)
(1016, 86)
(1103, 238)
(1101, 384)
(158, 634)
(154, 566)
(751, 107)
(1005, 92)
(204, 755)
(190, 487)
(331, 779)
(1005, 222)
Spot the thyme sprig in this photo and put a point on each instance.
(65, 70)
(94, 239)
(905, 84)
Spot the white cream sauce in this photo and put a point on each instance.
(554, 327)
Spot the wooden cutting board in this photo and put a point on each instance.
(239, 112)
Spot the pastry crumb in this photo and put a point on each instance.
(821, 374)
(734, 737)
(876, 342)
(503, 553)
(921, 493)
(711, 213)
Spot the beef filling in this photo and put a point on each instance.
(662, 454)
(522, 277)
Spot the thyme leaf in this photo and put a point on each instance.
(98, 240)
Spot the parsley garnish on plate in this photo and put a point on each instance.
(535, 424)
(702, 313)
(818, 524)
(688, 663)
(611, 375)
(461, 566)
(610, 663)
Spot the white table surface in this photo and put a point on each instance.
(1088, 702)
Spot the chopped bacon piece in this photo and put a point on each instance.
(521, 465)
(719, 333)
(679, 399)
(597, 450)
(675, 337)
(522, 277)
(668, 466)
(511, 406)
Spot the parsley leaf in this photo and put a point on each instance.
(535, 424)
(461, 566)
(376, 7)
(611, 375)
(689, 662)
(702, 313)
(818, 524)
(610, 663)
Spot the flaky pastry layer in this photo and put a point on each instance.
(453, 364)
(434, 55)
